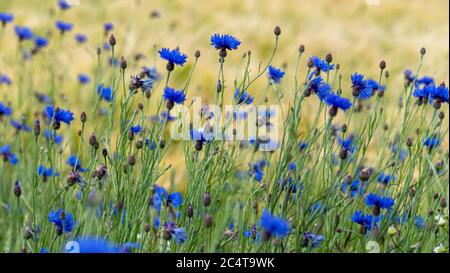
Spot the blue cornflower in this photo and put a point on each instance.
(243, 97)
(354, 188)
(147, 84)
(347, 143)
(423, 87)
(106, 46)
(253, 233)
(317, 207)
(63, 26)
(5, 79)
(136, 129)
(319, 87)
(80, 38)
(174, 96)
(315, 239)
(20, 125)
(52, 136)
(40, 42)
(179, 234)
(302, 145)
(258, 170)
(378, 202)
(367, 222)
(364, 89)
(292, 166)
(105, 92)
(320, 66)
(409, 76)
(60, 116)
(439, 93)
(5, 110)
(173, 56)
(75, 163)
(6, 18)
(46, 172)
(432, 142)
(385, 178)
(337, 102)
(64, 5)
(98, 245)
(151, 73)
(5, 152)
(224, 41)
(63, 221)
(275, 74)
(160, 196)
(23, 33)
(108, 27)
(274, 226)
(419, 222)
(83, 78)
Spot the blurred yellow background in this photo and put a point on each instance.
(358, 35)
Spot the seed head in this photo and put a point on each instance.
(329, 58)
(423, 51)
(207, 199)
(83, 117)
(197, 54)
(301, 48)
(382, 65)
(112, 40)
(277, 31)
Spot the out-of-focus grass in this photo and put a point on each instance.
(359, 36)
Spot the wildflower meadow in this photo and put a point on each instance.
(140, 134)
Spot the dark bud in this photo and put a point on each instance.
(356, 91)
(147, 228)
(436, 196)
(329, 58)
(199, 145)
(132, 160)
(382, 65)
(83, 117)
(112, 40)
(100, 171)
(37, 128)
(386, 74)
(17, 189)
(277, 31)
(441, 115)
(166, 235)
(170, 66)
(219, 86)
(376, 210)
(104, 152)
(343, 154)
(423, 51)
(310, 63)
(197, 54)
(99, 50)
(79, 132)
(266, 235)
(338, 66)
(301, 48)
(409, 142)
(333, 111)
(169, 105)
(439, 165)
(93, 140)
(207, 199)
(208, 220)
(443, 202)
(223, 53)
(140, 106)
(437, 104)
(412, 192)
(189, 211)
(130, 135)
(344, 128)
(139, 143)
(123, 63)
(162, 144)
(147, 94)
(365, 174)
(385, 126)
(56, 125)
(381, 93)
